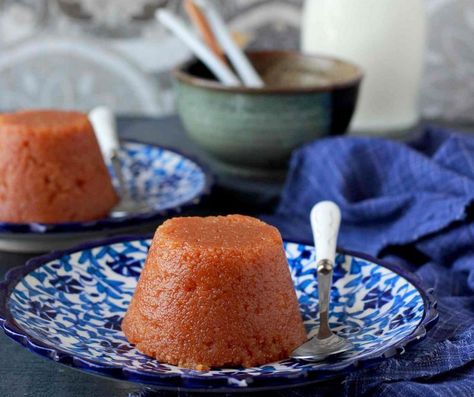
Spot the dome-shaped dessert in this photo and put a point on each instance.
(51, 169)
(215, 292)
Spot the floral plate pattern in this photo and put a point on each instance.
(68, 306)
(165, 179)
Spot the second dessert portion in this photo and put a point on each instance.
(51, 169)
(215, 292)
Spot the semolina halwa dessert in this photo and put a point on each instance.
(51, 169)
(215, 292)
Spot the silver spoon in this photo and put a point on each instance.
(325, 220)
(105, 127)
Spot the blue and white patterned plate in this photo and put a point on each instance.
(68, 307)
(165, 179)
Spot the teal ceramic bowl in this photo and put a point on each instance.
(252, 131)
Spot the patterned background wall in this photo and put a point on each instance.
(78, 53)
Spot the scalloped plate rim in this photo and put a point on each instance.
(304, 377)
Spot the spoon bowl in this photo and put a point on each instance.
(317, 349)
(129, 207)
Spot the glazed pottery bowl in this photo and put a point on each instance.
(252, 131)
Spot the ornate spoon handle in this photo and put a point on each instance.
(325, 220)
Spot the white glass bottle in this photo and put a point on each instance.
(386, 38)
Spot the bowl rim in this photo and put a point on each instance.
(182, 76)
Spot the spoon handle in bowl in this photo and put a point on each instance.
(239, 60)
(173, 23)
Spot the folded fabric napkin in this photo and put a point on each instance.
(411, 204)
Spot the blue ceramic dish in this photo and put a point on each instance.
(68, 306)
(167, 180)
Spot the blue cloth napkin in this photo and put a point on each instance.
(411, 204)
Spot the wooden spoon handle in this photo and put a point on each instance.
(199, 20)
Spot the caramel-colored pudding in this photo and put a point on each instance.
(51, 169)
(215, 292)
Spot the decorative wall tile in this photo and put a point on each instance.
(448, 86)
(120, 56)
